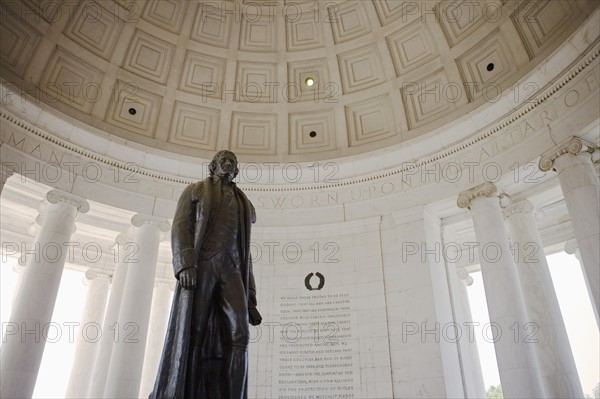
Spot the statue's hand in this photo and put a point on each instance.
(187, 278)
(255, 317)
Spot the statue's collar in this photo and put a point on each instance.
(216, 179)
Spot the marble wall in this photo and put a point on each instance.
(322, 295)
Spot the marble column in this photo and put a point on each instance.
(547, 329)
(18, 268)
(21, 264)
(159, 317)
(420, 319)
(572, 249)
(89, 333)
(24, 339)
(471, 363)
(111, 316)
(572, 160)
(127, 358)
(517, 364)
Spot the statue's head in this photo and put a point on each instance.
(224, 164)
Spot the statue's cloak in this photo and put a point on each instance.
(192, 217)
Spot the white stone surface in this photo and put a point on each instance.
(517, 362)
(127, 358)
(421, 360)
(385, 291)
(32, 312)
(111, 317)
(159, 317)
(546, 328)
(354, 323)
(470, 361)
(86, 347)
(580, 186)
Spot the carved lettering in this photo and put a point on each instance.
(528, 128)
(278, 202)
(13, 142)
(571, 98)
(38, 150)
(332, 199)
(316, 354)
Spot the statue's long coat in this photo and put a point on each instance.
(189, 225)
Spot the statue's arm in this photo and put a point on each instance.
(251, 283)
(255, 317)
(253, 313)
(182, 232)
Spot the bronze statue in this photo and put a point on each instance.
(206, 345)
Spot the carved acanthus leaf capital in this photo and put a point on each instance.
(486, 189)
(572, 145)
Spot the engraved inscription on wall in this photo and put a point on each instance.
(318, 355)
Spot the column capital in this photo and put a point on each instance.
(140, 219)
(92, 274)
(486, 189)
(124, 237)
(571, 247)
(463, 275)
(34, 226)
(522, 207)
(56, 196)
(572, 145)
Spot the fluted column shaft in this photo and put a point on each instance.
(87, 346)
(111, 318)
(555, 358)
(125, 369)
(517, 363)
(24, 340)
(578, 179)
(159, 317)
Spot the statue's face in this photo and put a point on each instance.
(226, 166)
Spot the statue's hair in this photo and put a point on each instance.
(213, 164)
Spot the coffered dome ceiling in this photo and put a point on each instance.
(191, 77)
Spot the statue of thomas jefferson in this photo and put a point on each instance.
(206, 345)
